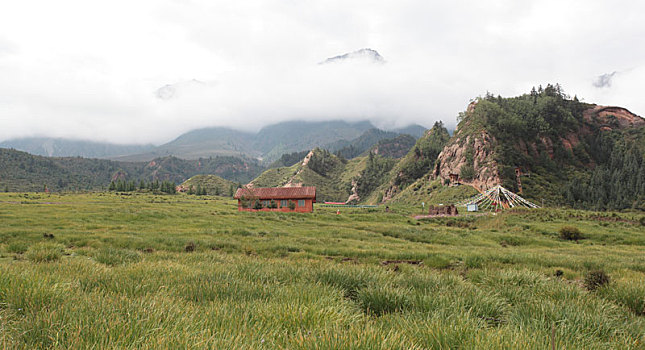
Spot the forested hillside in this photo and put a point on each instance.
(20, 171)
(418, 162)
(566, 152)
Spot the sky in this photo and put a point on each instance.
(145, 71)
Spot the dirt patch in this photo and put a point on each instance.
(410, 262)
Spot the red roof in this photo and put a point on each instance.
(276, 193)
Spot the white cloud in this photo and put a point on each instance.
(90, 70)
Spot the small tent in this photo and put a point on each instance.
(497, 198)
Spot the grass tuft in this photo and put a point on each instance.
(116, 256)
(45, 252)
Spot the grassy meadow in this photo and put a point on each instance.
(105, 270)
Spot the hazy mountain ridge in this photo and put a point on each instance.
(566, 152)
(61, 147)
(269, 144)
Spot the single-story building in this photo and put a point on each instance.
(298, 199)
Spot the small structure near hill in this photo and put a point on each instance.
(497, 198)
(285, 199)
(446, 210)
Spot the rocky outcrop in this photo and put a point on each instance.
(476, 151)
(609, 117)
(353, 197)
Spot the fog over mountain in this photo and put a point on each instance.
(146, 72)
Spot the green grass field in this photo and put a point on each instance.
(142, 271)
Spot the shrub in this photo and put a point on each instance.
(595, 279)
(190, 247)
(45, 252)
(570, 233)
(467, 172)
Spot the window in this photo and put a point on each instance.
(284, 203)
(265, 204)
(301, 202)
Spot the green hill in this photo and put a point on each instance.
(331, 175)
(210, 184)
(396, 147)
(419, 161)
(567, 152)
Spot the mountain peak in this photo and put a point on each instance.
(365, 54)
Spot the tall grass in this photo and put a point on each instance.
(117, 275)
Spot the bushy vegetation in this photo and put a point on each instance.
(202, 185)
(181, 271)
(596, 279)
(570, 233)
(153, 186)
(421, 159)
(370, 139)
(322, 162)
(289, 159)
(618, 182)
(373, 175)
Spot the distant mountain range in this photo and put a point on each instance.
(60, 147)
(268, 144)
(550, 148)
